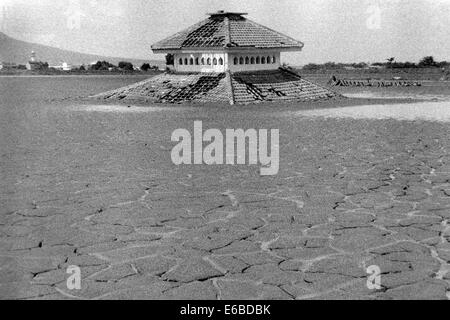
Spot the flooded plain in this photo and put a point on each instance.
(93, 186)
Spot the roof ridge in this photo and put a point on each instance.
(227, 31)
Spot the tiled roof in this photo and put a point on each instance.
(224, 29)
(275, 85)
(174, 88)
(239, 88)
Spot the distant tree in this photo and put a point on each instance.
(94, 66)
(102, 65)
(311, 67)
(106, 65)
(427, 61)
(443, 64)
(145, 67)
(82, 68)
(403, 65)
(408, 64)
(359, 65)
(126, 66)
(390, 60)
(330, 65)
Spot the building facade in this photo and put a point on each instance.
(226, 41)
(221, 62)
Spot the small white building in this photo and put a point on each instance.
(226, 41)
(66, 67)
(63, 67)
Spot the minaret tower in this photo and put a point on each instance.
(33, 56)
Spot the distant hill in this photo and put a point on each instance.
(12, 50)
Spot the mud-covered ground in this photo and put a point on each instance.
(94, 186)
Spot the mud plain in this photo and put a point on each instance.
(93, 186)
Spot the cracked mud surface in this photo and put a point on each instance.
(98, 190)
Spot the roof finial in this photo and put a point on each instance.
(226, 13)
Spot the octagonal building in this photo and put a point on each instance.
(225, 41)
(224, 58)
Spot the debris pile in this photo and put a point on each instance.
(372, 83)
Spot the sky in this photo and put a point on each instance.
(332, 30)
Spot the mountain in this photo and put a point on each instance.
(13, 50)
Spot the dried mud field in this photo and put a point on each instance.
(93, 186)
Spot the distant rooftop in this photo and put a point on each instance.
(227, 30)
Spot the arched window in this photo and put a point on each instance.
(263, 60)
(241, 60)
(221, 61)
(258, 60)
(268, 60)
(215, 61)
(196, 61)
(236, 60)
(252, 60)
(274, 60)
(208, 62)
(180, 61)
(203, 61)
(247, 60)
(185, 61)
(191, 61)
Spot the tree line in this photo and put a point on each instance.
(425, 62)
(122, 66)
